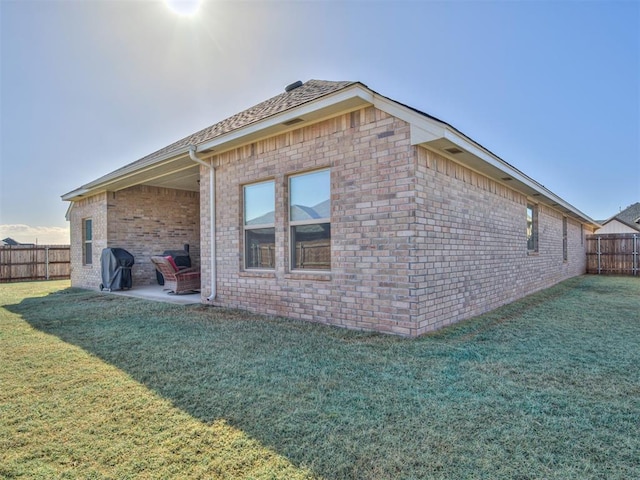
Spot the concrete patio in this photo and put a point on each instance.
(157, 294)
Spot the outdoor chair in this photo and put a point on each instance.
(177, 280)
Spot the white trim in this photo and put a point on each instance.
(350, 98)
(426, 130)
(246, 227)
(300, 223)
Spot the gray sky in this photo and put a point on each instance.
(89, 86)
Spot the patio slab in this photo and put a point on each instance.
(155, 293)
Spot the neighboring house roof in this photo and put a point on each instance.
(630, 217)
(10, 241)
(313, 101)
(299, 212)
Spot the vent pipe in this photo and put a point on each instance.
(292, 86)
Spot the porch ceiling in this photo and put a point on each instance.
(179, 173)
(187, 179)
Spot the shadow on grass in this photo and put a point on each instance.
(539, 388)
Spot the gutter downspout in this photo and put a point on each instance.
(212, 210)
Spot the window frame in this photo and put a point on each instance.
(314, 221)
(533, 240)
(248, 228)
(87, 241)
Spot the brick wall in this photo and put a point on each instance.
(418, 241)
(147, 221)
(144, 221)
(471, 235)
(371, 165)
(95, 208)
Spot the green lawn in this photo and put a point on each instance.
(100, 386)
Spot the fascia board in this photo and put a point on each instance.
(75, 194)
(350, 98)
(102, 184)
(481, 153)
(425, 130)
(67, 215)
(425, 133)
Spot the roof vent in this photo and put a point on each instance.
(293, 121)
(453, 150)
(293, 86)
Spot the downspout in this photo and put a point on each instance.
(212, 209)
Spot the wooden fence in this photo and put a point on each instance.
(615, 253)
(40, 262)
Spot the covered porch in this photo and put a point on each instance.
(147, 213)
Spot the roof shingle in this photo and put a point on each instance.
(307, 92)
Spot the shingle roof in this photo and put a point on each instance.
(307, 92)
(630, 216)
(312, 93)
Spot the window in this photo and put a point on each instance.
(565, 252)
(310, 220)
(87, 239)
(259, 225)
(532, 228)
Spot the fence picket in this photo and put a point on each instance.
(40, 262)
(614, 253)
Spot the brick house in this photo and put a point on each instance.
(332, 203)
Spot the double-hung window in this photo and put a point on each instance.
(310, 220)
(259, 225)
(87, 241)
(532, 228)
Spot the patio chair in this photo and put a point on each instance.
(177, 280)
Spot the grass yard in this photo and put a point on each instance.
(100, 386)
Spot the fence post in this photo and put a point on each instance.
(635, 254)
(598, 253)
(46, 263)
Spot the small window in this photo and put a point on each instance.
(532, 228)
(310, 220)
(87, 235)
(565, 249)
(259, 225)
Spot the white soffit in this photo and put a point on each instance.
(448, 142)
(349, 99)
(160, 172)
(425, 131)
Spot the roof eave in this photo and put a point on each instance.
(102, 184)
(351, 98)
(348, 99)
(438, 136)
(426, 131)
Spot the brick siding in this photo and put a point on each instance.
(471, 235)
(94, 208)
(418, 241)
(143, 220)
